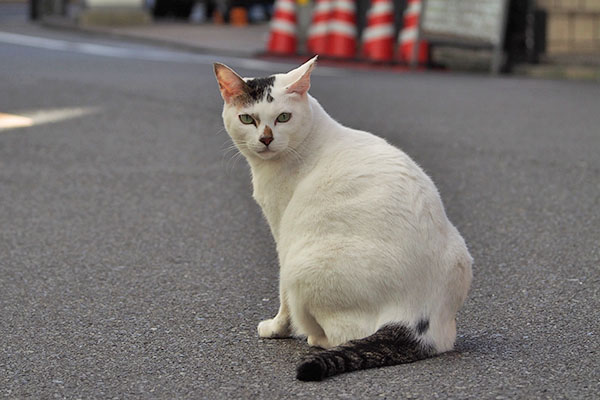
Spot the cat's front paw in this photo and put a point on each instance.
(273, 328)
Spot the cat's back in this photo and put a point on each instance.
(366, 164)
(363, 185)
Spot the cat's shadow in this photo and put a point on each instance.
(495, 344)
(466, 346)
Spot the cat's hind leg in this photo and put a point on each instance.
(306, 325)
(319, 341)
(279, 326)
(327, 330)
(341, 327)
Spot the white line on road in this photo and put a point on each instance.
(10, 121)
(47, 116)
(147, 54)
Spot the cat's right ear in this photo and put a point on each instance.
(232, 86)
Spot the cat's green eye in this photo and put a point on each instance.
(284, 117)
(246, 119)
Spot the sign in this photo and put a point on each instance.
(474, 23)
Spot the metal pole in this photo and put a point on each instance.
(34, 9)
(303, 8)
(498, 56)
(414, 58)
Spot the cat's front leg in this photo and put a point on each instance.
(279, 326)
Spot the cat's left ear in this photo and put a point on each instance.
(301, 77)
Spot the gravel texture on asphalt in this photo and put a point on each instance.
(135, 264)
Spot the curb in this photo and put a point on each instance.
(67, 24)
(557, 71)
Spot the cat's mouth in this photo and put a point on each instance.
(266, 149)
(266, 153)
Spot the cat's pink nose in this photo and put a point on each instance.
(266, 140)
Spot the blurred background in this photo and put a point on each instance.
(536, 37)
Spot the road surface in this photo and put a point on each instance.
(135, 264)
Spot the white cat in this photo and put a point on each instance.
(370, 267)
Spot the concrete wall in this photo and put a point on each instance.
(573, 26)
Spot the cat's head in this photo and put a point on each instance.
(266, 117)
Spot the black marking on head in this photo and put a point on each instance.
(259, 87)
(269, 97)
(422, 326)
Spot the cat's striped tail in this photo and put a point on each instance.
(390, 345)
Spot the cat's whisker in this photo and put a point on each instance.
(288, 153)
(236, 159)
(236, 156)
(233, 146)
(297, 153)
(233, 161)
(227, 144)
(229, 160)
(297, 156)
(229, 149)
(228, 164)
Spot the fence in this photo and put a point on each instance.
(573, 26)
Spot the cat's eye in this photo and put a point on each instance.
(284, 117)
(246, 119)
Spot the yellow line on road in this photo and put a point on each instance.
(10, 121)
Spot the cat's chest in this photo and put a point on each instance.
(272, 195)
(273, 192)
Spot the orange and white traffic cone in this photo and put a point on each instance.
(319, 28)
(238, 16)
(341, 39)
(378, 37)
(408, 35)
(282, 39)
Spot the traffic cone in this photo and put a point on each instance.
(238, 16)
(318, 31)
(218, 18)
(282, 39)
(408, 35)
(341, 39)
(378, 37)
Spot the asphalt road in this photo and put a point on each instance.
(135, 264)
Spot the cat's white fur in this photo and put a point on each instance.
(361, 233)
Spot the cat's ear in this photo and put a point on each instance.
(232, 86)
(301, 77)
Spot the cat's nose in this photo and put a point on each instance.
(266, 140)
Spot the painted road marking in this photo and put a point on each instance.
(148, 54)
(10, 121)
(47, 116)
